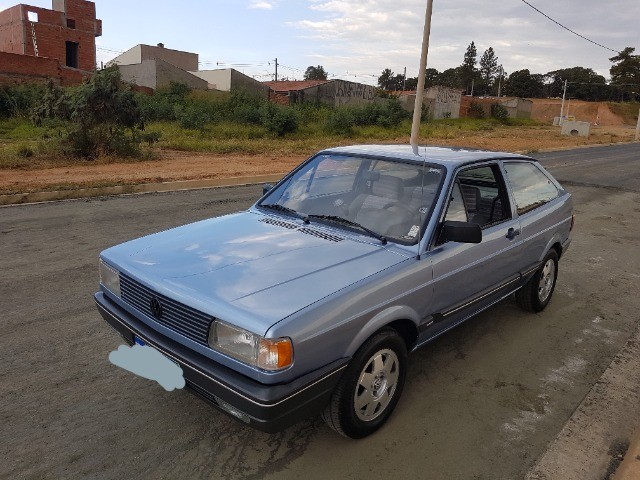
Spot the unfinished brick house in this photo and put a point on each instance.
(38, 43)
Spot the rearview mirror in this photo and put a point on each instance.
(266, 188)
(462, 232)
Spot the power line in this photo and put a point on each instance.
(568, 29)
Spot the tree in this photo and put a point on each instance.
(451, 77)
(523, 84)
(625, 73)
(389, 81)
(431, 77)
(583, 83)
(488, 69)
(315, 73)
(468, 69)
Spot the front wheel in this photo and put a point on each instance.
(536, 293)
(370, 388)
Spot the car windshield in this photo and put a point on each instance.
(383, 198)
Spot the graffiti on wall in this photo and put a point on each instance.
(349, 92)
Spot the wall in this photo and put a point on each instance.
(185, 60)
(351, 93)
(446, 102)
(51, 31)
(239, 81)
(12, 32)
(158, 74)
(18, 69)
(130, 57)
(167, 73)
(217, 79)
(516, 107)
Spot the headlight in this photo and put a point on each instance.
(264, 353)
(110, 278)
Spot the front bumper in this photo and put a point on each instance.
(269, 408)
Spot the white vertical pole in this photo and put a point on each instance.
(417, 109)
(638, 128)
(564, 94)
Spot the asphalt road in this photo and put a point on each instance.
(481, 402)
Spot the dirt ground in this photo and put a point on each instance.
(596, 113)
(174, 165)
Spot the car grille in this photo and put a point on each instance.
(176, 316)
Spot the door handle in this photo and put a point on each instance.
(513, 233)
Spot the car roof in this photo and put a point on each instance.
(450, 156)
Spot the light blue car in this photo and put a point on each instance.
(310, 301)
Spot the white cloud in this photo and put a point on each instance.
(365, 36)
(260, 5)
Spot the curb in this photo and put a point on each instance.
(41, 197)
(52, 196)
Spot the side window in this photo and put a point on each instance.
(457, 211)
(531, 187)
(482, 197)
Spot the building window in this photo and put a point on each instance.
(71, 23)
(72, 54)
(32, 16)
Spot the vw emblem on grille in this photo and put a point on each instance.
(156, 308)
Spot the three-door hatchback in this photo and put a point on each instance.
(311, 299)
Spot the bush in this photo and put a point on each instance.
(340, 122)
(24, 151)
(17, 101)
(476, 110)
(500, 113)
(279, 120)
(102, 115)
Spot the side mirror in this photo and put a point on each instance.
(462, 232)
(266, 188)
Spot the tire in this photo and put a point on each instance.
(535, 295)
(370, 387)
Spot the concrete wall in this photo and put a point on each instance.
(185, 60)
(159, 74)
(217, 79)
(132, 56)
(446, 102)
(439, 102)
(334, 93)
(240, 81)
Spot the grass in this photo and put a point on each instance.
(628, 111)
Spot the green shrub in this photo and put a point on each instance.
(340, 121)
(500, 113)
(24, 151)
(476, 110)
(279, 120)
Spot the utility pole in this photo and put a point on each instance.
(638, 128)
(404, 82)
(564, 95)
(276, 60)
(473, 84)
(500, 81)
(417, 109)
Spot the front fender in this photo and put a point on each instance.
(379, 321)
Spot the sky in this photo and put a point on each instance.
(357, 39)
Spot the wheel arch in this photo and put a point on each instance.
(403, 319)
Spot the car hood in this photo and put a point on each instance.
(249, 269)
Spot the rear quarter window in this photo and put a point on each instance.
(531, 187)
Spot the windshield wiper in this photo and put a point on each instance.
(351, 223)
(282, 208)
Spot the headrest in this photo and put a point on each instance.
(388, 187)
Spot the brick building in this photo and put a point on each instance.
(31, 37)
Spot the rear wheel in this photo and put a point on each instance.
(536, 293)
(370, 388)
